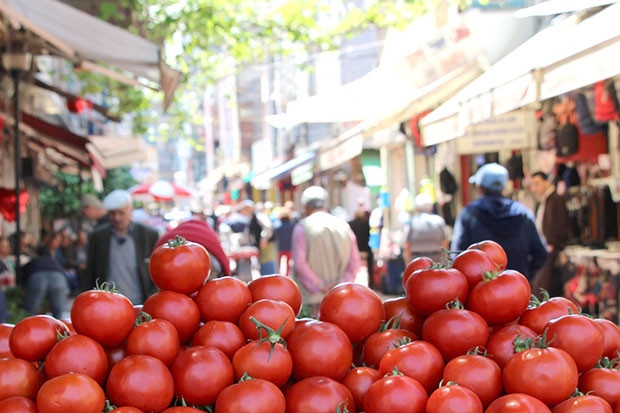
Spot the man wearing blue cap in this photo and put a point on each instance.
(500, 219)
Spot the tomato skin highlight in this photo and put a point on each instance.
(180, 268)
(177, 308)
(453, 399)
(395, 394)
(260, 361)
(579, 336)
(583, 404)
(18, 404)
(517, 403)
(251, 396)
(158, 338)
(430, 290)
(493, 250)
(33, 337)
(77, 354)
(277, 287)
(70, 392)
(318, 394)
(473, 263)
(18, 378)
(477, 373)
(223, 335)
(224, 299)
(602, 382)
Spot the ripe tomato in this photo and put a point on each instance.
(319, 348)
(224, 335)
(430, 290)
(180, 409)
(263, 360)
(398, 307)
(115, 354)
(419, 360)
(517, 403)
(18, 378)
(583, 404)
(5, 332)
(395, 394)
(275, 315)
(318, 394)
(71, 392)
(277, 287)
(611, 337)
(419, 263)
(33, 337)
(106, 317)
(493, 250)
(205, 365)
(128, 409)
(473, 264)
(353, 307)
(579, 336)
(177, 308)
(453, 398)
(179, 265)
(478, 373)
(548, 374)
(157, 338)
(358, 381)
(77, 354)
(603, 382)
(18, 404)
(224, 299)
(500, 345)
(251, 396)
(536, 317)
(380, 342)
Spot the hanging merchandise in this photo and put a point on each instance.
(586, 123)
(547, 126)
(567, 140)
(7, 203)
(606, 104)
(514, 165)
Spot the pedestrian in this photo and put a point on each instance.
(94, 213)
(261, 228)
(424, 232)
(119, 251)
(7, 275)
(361, 228)
(284, 236)
(76, 253)
(324, 249)
(552, 222)
(495, 217)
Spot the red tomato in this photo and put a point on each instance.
(275, 315)
(501, 299)
(579, 336)
(205, 365)
(583, 404)
(430, 290)
(419, 263)
(517, 403)
(104, 316)
(251, 396)
(5, 332)
(179, 265)
(263, 360)
(493, 250)
(380, 342)
(453, 399)
(537, 317)
(419, 360)
(277, 287)
(611, 337)
(318, 394)
(395, 394)
(353, 307)
(77, 354)
(157, 338)
(140, 381)
(224, 335)
(224, 299)
(358, 381)
(548, 374)
(398, 307)
(18, 404)
(71, 392)
(501, 346)
(177, 308)
(128, 409)
(602, 382)
(319, 348)
(18, 378)
(478, 373)
(455, 331)
(33, 337)
(181, 409)
(474, 264)
(115, 354)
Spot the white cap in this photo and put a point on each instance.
(314, 197)
(117, 199)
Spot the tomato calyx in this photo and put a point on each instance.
(522, 343)
(607, 363)
(178, 241)
(394, 372)
(245, 377)
(392, 324)
(490, 275)
(106, 286)
(455, 304)
(142, 318)
(478, 351)
(342, 407)
(273, 336)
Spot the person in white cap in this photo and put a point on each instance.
(324, 249)
(119, 251)
(500, 219)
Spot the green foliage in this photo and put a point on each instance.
(15, 303)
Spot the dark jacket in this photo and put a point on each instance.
(556, 222)
(361, 229)
(506, 222)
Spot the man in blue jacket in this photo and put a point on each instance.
(507, 222)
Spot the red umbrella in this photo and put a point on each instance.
(162, 190)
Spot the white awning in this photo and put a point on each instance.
(561, 58)
(116, 151)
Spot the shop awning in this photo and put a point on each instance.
(283, 170)
(89, 43)
(117, 151)
(566, 56)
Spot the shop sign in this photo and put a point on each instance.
(302, 173)
(508, 131)
(341, 153)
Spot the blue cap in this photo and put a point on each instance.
(491, 176)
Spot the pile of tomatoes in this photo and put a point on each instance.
(468, 337)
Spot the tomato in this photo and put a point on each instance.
(500, 345)
(18, 404)
(500, 299)
(478, 373)
(536, 317)
(106, 317)
(419, 263)
(275, 315)
(579, 336)
(493, 250)
(251, 396)
(277, 287)
(395, 394)
(140, 381)
(70, 392)
(583, 404)
(517, 403)
(398, 307)
(77, 354)
(419, 360)
(603, 382)
(318, 394)
(353, 307)
(474, 264)
(430, 290)
(182, 409)
(18, 378)
(611, 337)
(205, 365)
(380, 342)
(453, 398)
(5, 332)
(115, 354)
(128, 409)
(617, 408)
(263, 360)
(548, 374)
(319, 348)
(33, 337)
(224, 335)
(224, 299)
(179, 265)
(358, 380)
(177, 308)
(455, 331)
(157, 338)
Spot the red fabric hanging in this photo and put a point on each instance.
(7, 203)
